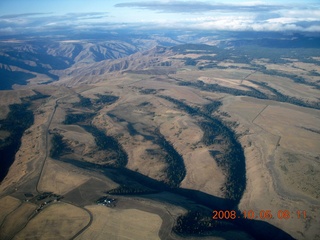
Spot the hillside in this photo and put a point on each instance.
(173, 132)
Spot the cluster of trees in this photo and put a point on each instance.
(58, 146)
(102, 99)
(132, 131)
(217, 88)
(231, 160)
(200, 223)
(148, 91)
(184, 107)
(211, 107)
(127, 190)
(176, 170)
(166, 64)
(78, 118)
(190, 62)
(106, 99)
(18, 120)
(84, 102)
(211, 131)
(233, 163)
(207, 57)
(37, 96)
(108, 143)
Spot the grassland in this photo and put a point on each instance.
(16, 220)
(219, 132)
(8, 204)
(61, 220)
(122, 224)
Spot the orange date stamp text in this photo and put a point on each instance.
(260, 215)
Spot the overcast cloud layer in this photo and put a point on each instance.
(197, 6)
(205, 15)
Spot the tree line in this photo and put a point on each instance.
(251, 93)
(19, 118)
(231, 160)
(176, 170)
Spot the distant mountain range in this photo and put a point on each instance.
(76, 59)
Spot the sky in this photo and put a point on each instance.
(20, 16)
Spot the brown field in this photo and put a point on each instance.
(7, 205)
(227, 82)
(215, 73)
(275, 120)
(122, 224)
(306, 66)
(297, 68)
(285, 68)
(90, 191)
(58, 221)
(16, 220)
(60, 178)
(232, 64)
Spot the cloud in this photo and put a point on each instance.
(88, 15)
(245, 16)
(20, 15)
(197, 6)
(171, 14)
(74, 16)
(37, 22)
(234, 23)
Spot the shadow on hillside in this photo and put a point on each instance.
(191, 199)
